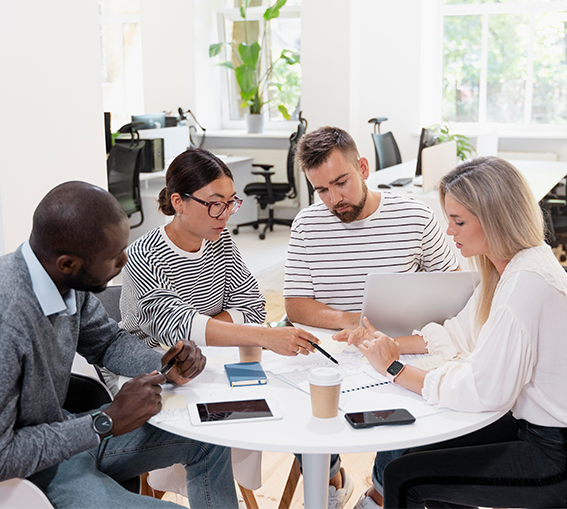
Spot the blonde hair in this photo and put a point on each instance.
(498, 195)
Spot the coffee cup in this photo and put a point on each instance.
(325, 389)
(250, 353)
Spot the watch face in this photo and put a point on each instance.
(395, 368)
(102, 424)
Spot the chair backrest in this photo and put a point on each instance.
(123, 171)
(293, 140)
(85, 394)
(110, 300)
(387, 151)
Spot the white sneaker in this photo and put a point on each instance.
(338, 498)
(366, 502)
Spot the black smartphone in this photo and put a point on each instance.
(401, 182)
(360, 420)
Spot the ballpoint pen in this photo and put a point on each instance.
(325, 353)
(167, 368)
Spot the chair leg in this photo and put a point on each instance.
(290, 485)
(249, 498)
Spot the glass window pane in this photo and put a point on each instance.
(461, 68)
(508, 41)
(549, 104)
(285, 82)
(461, 2)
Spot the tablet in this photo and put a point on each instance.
(250, 410)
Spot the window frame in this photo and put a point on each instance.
(433, 81)
(227, 75)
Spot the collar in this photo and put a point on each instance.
(47, 294)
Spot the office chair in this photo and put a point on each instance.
(267, 193)
(554, 207)
(83, 395)
(123, 172)
(385, 146)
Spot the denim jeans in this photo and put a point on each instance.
(511, 463)
(77, 483)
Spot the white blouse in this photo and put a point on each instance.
(517, 360)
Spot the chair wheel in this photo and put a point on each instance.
(235, 231)
(255, 226)
(262, 236)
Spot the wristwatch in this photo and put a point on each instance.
(394, 370)
(103, 425)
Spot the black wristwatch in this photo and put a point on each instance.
(394, 370)
(103, 425)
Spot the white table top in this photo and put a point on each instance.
(298, 431)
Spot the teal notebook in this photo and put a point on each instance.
(245, 373)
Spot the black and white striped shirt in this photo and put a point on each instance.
(169, 294)
(328, 260)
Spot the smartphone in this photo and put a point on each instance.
(216, 412)
(401, 182)
(359, 420)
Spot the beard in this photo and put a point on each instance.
(351, 215)
(85, 282)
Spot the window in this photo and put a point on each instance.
(121, 52)
(505, 62)
(283, 32)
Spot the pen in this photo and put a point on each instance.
(167, 368)
(326, 354)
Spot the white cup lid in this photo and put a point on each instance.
(325, 377)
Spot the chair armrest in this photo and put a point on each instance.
(263, 166)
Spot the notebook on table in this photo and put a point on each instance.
(396, 304)
(245, 373)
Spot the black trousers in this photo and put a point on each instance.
(511, 463)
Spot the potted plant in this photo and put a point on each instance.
(464, 146)
(247, 64)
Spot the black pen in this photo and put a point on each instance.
(326, 354)
(167, 368)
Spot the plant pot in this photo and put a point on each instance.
(254, 123)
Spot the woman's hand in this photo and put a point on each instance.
(357, 336)
(288, 341)
(381, 351)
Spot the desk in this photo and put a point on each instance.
(152, 183)
(542, 176)
(316, 439)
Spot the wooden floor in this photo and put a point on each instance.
(276, 466)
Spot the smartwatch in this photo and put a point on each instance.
(103, 425)
(394, 370)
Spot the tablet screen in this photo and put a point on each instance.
(233, 410)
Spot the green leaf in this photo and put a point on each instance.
(215, 49)
(284, 112)
(274, 11)
(226, 64)
(245, 77)
(249, 54)
(291, 57)
(243, 8)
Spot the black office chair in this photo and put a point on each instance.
(85, 394)
(267, 193)
(385, 146)
(554, 207)
(123, 171)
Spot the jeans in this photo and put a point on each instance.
(77, 483)
(511, 463)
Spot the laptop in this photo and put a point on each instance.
(396, 304)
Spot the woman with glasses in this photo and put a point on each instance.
(187, 279)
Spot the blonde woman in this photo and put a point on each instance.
(505, 350)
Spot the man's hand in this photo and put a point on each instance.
(288, 340)
(189, 361)
(357, 336)
(380, 352)
(137, 401)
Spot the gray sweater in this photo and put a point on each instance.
(36, 354)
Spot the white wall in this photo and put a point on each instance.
(52, 127)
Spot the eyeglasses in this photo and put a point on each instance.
(217, 208)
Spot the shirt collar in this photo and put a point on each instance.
(47, 294)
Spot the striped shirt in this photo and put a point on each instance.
(328, 260)
(169, 294)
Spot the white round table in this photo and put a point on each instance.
(316, 439)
